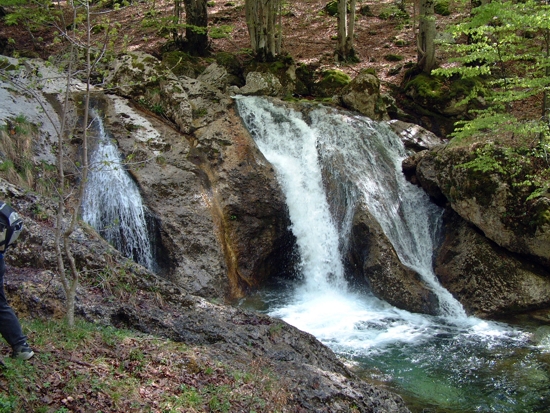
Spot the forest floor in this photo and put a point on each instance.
(384, 35)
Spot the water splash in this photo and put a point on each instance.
(365, 158)
(112, 204)
(451, 362)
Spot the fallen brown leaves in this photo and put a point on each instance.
(105, 370)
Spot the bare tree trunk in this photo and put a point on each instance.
(350, 51)
(546, 95)
(346, 30)
(70, 276)
(196, 33)
(261, 19)
(342, 30)
(426, 36)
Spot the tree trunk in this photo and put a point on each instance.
(351, 30)
(196, 33)
(426, 36)
(265, 34)
(342, 30)
(346, 29)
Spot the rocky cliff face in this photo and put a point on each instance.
(223, 228)
(222, 216)
(499, 263)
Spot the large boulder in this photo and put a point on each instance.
(187, 102)
(222, 216)
(486, 278)
(374, 262)
(187, 248)
(415, 137)
(362, 94)
(260, 84)
(488, 196)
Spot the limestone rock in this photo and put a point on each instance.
(373, 260)
(415, 137)
(362, 94)
(309, 372)
(261, 83)
(217, 76)
(247, 203)
(186, 102)
(490, 201)
(487, 279)
(223, 222)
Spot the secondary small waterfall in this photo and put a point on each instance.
(112, 203)
(450, 362)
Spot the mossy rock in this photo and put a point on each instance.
(283, 67)
(440, 94)
(182, 64)
(441, 7)
(304, 80)
(331, 82)
(231, 63)
(331, 8)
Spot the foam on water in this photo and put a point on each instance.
(450, 360)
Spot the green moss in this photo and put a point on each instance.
(231, 63)
(220, 32)
(331, 8)
(400, 42)
(441, 7)
(426, 86)
(181, 64)
(334, 78)
(543, 217)
(434, 91)
(393, 57)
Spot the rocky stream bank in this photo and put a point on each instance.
(223, 228)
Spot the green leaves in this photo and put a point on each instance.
(506, 45)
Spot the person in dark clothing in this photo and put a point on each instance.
(10, 328)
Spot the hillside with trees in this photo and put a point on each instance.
(475, 74)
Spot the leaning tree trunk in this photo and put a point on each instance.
(196, 32)
(426, 36)
(265, 33)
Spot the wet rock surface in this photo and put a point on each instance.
(488, 280)
(374, 262)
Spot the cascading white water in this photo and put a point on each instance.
(445, 361)
(372, 155)
(290, 145)
(366, 155)
(112, 203)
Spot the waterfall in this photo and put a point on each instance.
(369, 155)
(291, 146)
(450, 362)
(365, 158)
(112, 203)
